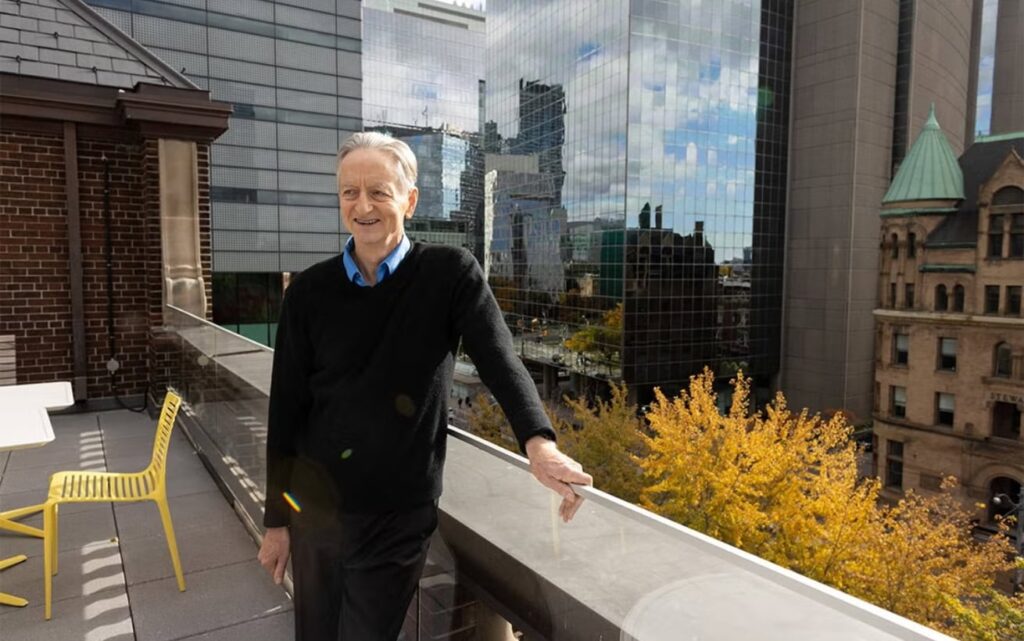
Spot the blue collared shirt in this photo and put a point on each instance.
(386, 267)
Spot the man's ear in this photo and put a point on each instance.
(414, 199)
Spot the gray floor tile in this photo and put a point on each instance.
(104, 615)
(279, 627)
(38, 478)
(191, 511)
(70, 458)
(35, 497)
(84, 572)
(214, 600)
(76, 530)
(147, 559)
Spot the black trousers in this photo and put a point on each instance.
(355, 574)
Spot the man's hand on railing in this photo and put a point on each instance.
(556, 471)
(274, 552)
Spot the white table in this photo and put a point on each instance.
(52, 396)
(25, 423)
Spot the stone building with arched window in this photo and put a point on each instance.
(949, 343)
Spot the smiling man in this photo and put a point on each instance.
(362, 372)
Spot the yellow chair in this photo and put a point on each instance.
(101, 487)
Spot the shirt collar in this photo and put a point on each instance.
(386, 267)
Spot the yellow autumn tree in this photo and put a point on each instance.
(487, 420)
(784, 486)
(605, 337)
(605, 437)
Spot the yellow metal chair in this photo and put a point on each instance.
(102, 487)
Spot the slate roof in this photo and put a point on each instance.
(68, 40)
(978, 164)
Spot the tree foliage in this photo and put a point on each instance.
(605, 438)
(784, 486)
(605, 337)
(487, 420)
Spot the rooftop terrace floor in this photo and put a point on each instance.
(116, 582)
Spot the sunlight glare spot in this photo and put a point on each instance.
(92, 565)
(96, 608)
(92, 586)
(111, 631)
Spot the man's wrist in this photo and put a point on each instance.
(537, 443)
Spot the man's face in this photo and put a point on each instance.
(374, 199)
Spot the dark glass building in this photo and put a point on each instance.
(635, 186)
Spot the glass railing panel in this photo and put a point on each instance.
(503, 561)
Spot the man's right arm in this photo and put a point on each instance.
(289, 406)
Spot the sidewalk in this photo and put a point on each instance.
(116, 582)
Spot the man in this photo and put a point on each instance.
(362, 371)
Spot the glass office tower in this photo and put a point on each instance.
(424, 70)
(636, 172)
(292, 72)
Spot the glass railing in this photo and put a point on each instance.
(502, 560)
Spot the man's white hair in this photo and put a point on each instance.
(394, 147)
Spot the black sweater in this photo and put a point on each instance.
(358, 397)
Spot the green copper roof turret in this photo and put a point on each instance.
(929, 171)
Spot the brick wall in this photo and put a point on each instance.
(35, 288)
(35, 293)
(131, 261)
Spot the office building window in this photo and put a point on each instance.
(1003, 361)
(1013, 300)
(911, 245)
(941, 299)
(958, 298)
(892, 295)
(945, 409)
(900, 349)
(898, 401)
(908, 296)
(1005, 420)
(995, 236)
(991, 299)
(894, 464)
(895, 249)
(947, 354)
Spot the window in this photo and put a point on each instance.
(995, 236)
(908, 296)
(894, 464)
(991, 299)
(911, 245)
(1013, 300)
(941, 299)
(1003, 361)
(892, 295)
(1002, 485)
(1017, 236)
(900, 349)
(1009, 196)
(1005, 420)
(958, 298)
(895, 246)
(947, 354)
(898, 401)
(945, 409)
(874, 454)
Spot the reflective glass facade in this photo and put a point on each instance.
(424, 71)
(421, 69)
(637, 200)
